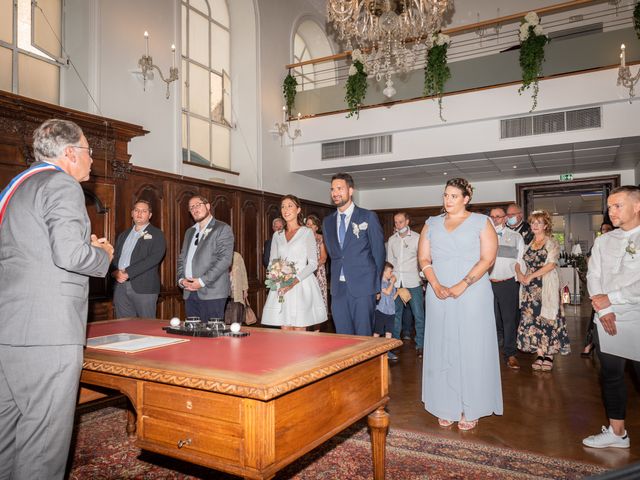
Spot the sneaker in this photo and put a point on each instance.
(607, 439)
(392, 356)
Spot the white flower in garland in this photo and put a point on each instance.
(352, 70)
(532, 18)
(524, 32)
(442, 39)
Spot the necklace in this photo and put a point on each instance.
(537, 244)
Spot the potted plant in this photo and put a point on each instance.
(532, 43)
(436, 69)
(356, 87)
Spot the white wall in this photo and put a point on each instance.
(276, 23)
(484, 192)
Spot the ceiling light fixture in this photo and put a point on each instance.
(384, 30)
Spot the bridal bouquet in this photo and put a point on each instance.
(281, 273)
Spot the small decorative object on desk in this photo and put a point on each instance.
(193, 327)
(280, 274)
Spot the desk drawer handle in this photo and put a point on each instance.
(182, 443)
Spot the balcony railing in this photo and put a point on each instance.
(585, 35)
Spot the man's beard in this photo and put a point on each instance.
(340, 203)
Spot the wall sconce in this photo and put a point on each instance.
(283, 128)
(146, 65)
(624, 75)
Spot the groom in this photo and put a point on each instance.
(355, 242)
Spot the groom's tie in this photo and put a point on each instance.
(342, 230)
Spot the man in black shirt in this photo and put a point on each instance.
(516, 222)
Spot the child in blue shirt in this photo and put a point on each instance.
(386, 308)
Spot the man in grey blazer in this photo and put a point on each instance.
(139, 251)
(204, 262)
(47, 253)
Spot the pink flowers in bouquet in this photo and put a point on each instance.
(281, 273)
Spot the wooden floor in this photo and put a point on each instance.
(545, 413)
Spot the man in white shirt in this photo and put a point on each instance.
(613, 281)
(402, 253)
(506, 289)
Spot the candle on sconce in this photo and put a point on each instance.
(146, 42)
(622, 56)
(298, 124)
(173, 51)
(284, 113)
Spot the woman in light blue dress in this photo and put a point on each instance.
(461, 366)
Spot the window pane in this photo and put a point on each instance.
(198, 38)
(198, 90)
(219, 48)
(185, 13)
(298, 46)
(6, 69)
(199, 138)
(220, 146)
(216, 98)
(6, 21)
(200, 5)
(38, 79)
(185, 138)
(43, 36)
(220, 12)
(183, 81)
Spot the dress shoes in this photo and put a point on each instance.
(512, 362)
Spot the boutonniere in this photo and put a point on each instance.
(205, 233)
(631, 248)
(359, 228)
(147, 236)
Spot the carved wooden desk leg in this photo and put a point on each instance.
(131, 422)
(379, 424)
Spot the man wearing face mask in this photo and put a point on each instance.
(516, 223)
(402, 252)
(506, 290)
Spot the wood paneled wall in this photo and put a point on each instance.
(115, 184)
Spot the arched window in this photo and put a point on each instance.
(30, 49)
(206, 89)
(310, 41)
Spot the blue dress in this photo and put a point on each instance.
(461, 366)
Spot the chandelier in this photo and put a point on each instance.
(389, 32)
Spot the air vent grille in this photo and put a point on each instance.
(551, 123)
(357, 147)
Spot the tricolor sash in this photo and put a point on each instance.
(18, 180)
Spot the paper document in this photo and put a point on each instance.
(130, 342)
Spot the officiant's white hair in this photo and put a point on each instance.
(53, 136)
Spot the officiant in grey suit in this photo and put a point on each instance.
(204, 262)
(47, 254)
(139, 252)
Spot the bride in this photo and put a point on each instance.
(303, 304)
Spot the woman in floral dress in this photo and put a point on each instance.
(542, 327)
(313, 222)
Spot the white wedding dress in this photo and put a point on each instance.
(303, 304)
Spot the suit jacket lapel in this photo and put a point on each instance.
(355, 218)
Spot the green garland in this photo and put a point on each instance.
(636, 19)
(289, 91)
(531, 59)
(437, 72)
(356, 89)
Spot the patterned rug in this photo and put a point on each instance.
(103, 451)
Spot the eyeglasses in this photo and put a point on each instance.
(85, 148)
(497, 216)
(196, 206)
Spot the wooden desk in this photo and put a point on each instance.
(247, 406)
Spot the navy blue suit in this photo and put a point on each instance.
(361, 260)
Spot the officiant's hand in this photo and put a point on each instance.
(600, 301)
(608, 322)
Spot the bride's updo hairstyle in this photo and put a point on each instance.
(462, 185)
(296, 202)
